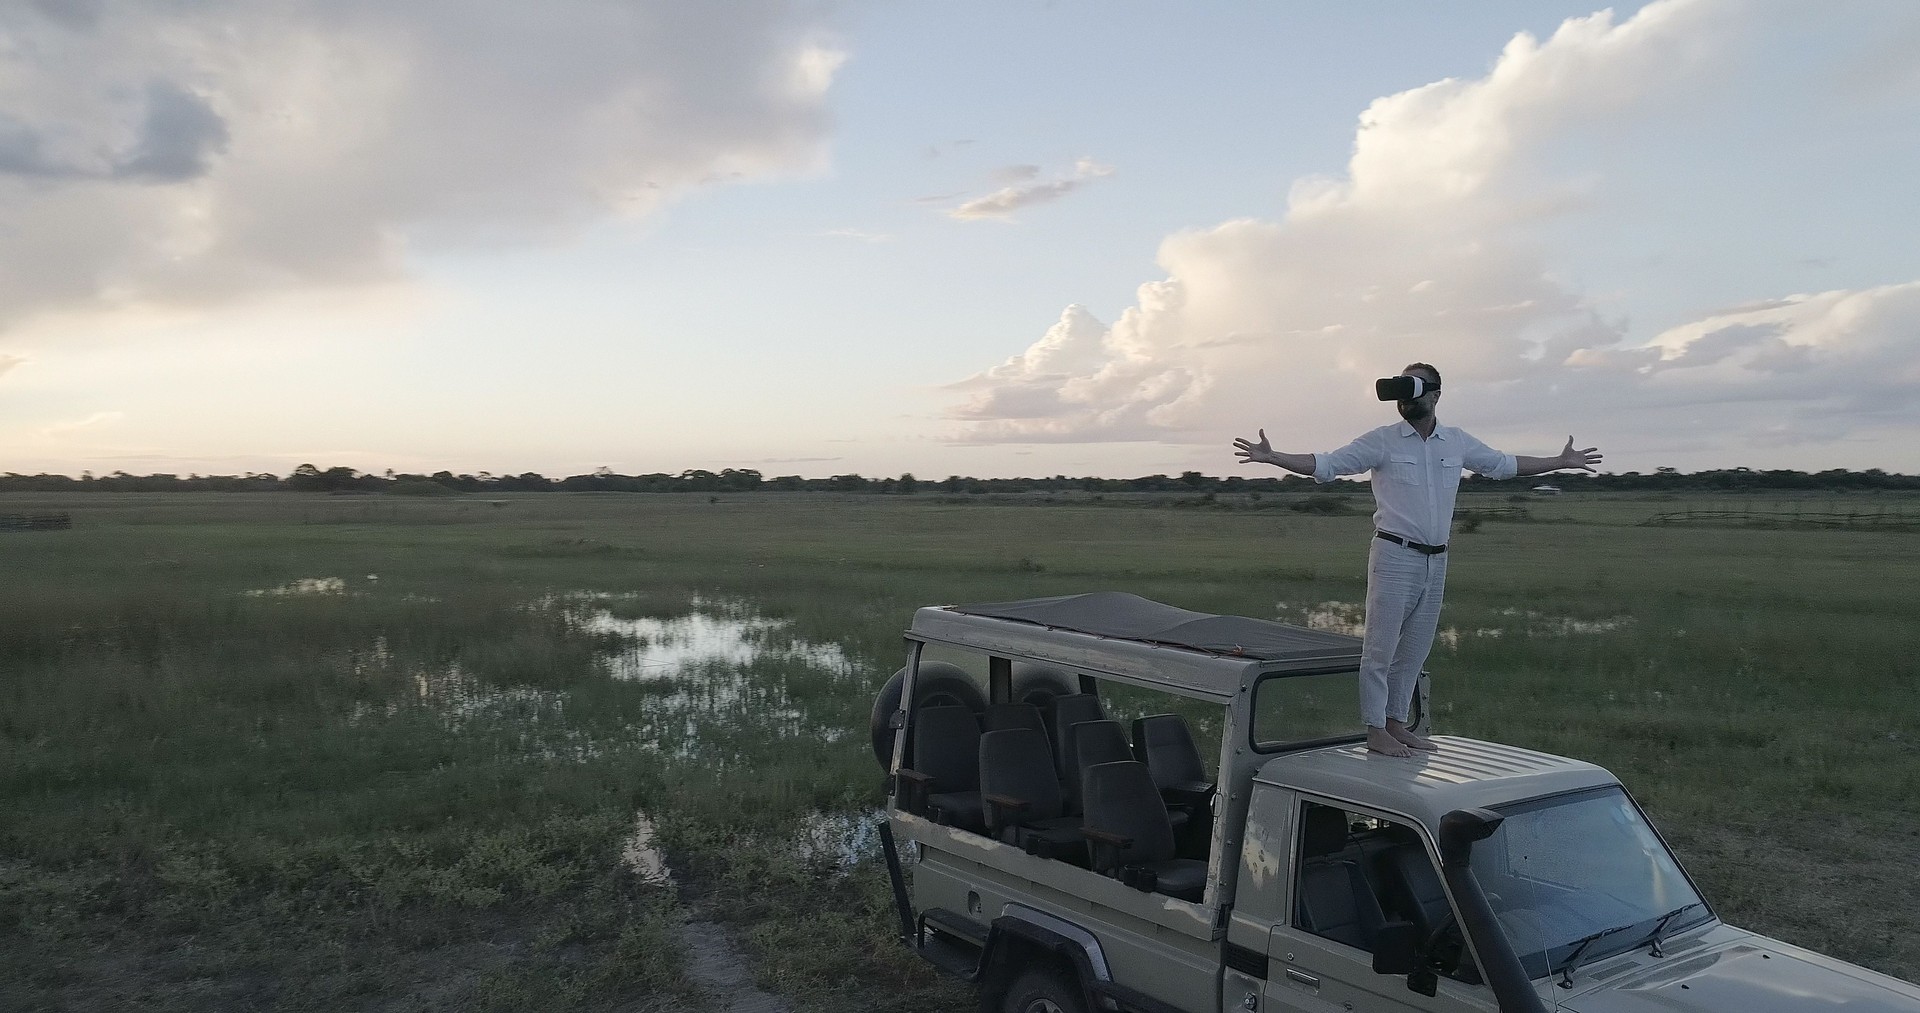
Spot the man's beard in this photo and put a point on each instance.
(1417, 410)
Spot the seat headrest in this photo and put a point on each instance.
(1323, 832)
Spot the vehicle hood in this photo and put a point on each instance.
(1750, 974)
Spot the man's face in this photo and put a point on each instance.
(1419, 408)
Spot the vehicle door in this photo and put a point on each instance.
(1319, 957)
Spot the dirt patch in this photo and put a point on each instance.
(716, 966)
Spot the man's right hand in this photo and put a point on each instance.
(1250, 452)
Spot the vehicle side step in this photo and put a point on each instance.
(1127, 999)
(952, 942)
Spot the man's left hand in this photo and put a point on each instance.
(1581, 459)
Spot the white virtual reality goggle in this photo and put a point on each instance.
(1403, 388)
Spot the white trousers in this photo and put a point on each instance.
(1404, 587)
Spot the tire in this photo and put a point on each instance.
(938, 683)
(1044, 990)
(1038, 686)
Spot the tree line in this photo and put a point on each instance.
(308, 478)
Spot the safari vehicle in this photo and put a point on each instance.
(1058, 835)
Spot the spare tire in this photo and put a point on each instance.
(937, 683)
(1038, 685)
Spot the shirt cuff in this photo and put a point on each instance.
(1323, 468)
(1509, 467)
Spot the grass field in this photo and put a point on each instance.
(309, 752)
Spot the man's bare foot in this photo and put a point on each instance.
(1378, 741)
(1404, 735)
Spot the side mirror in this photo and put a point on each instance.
(1396, 948)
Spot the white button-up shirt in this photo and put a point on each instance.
(1414, 480)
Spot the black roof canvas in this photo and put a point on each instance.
(1124, 616)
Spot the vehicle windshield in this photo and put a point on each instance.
(1561, 869)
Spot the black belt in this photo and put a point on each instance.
(1431, 550)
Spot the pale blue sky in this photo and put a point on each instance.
(732, 277)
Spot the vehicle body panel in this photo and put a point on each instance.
(1737, 971)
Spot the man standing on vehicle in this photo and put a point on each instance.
(1416, 467)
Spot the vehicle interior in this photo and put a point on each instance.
(1358, 872)
(1069, 777)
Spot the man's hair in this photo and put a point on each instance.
(1411, 366)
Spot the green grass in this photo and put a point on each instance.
(413, 794)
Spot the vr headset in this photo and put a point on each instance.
(1402, 388)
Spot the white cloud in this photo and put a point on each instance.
(1431, 247)
(196, 153)
(8, 362)
(1026, 192)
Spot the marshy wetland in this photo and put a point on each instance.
(290, 751)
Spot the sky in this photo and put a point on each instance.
(990, 239)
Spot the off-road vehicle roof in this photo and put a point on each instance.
(1139, 640)
(1463, 774)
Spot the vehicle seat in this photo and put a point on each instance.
(946, 758)
(1412, 886)
(1097, 742)
(1335, 900)
(1128, 836)
(1018, 715)
(1021, 796)
(1165, 744)
(1068, 711)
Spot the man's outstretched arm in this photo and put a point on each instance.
(1569, 458)
(1250, 452)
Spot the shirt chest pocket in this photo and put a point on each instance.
(1405, 469)
(1450, 469)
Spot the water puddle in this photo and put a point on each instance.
(640, 854)
(720, 684)
(302, 586)
(1542, 624)
(839, 840)
(1345, 617)
(713, 633)
(1350, 618)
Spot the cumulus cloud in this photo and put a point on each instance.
(1430, 247)
(194, 153)
(1026, 190)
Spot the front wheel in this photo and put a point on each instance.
(1044, 990)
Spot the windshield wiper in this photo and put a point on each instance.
(1660, 926)
(1580, 945)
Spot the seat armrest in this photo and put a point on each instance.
(999, 807)
(1194, 795)
(1104, 847)
(914, 787)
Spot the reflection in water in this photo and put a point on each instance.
(715, 657)
(1351, 618)
(1539, 623)
(303, 586)
(1334, 616)
(724, 682)
(839, 839)
(639, 853)
(714, 633)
